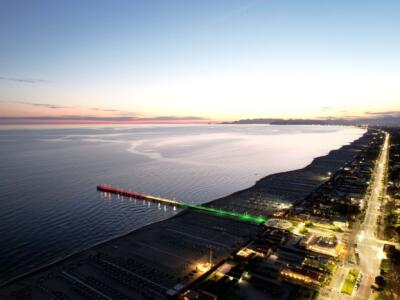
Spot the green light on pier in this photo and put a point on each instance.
(243, 217)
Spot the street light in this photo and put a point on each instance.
(381, 254)
(360, 236)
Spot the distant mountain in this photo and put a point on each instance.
(371, 121)
(254, 121)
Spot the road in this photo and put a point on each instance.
(369, 246)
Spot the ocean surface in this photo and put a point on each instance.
(49, 206)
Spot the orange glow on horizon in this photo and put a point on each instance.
(55, 122)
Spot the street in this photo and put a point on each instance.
(369, 247)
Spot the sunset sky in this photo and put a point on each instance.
(190, 61)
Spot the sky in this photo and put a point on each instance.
(195, 61)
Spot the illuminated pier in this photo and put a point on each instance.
(220, 212)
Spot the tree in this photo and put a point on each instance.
(380, 281)
(303, 230)
(308, 223)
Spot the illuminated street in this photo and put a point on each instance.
(370, 248)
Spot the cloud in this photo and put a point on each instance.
(173, 118)
(66, 118)
(118, 111)
(383, 113)
(108, 115)
(325, 108)
(103, 109)
(98, 119)
(234, 13)
(57, 106)
(24, 80)
(46, 105)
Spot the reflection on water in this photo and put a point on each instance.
(168, 210)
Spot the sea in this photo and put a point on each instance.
(49, 205)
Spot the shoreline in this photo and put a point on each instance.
(217, 201)
(307, 179)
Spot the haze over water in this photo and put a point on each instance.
(49, 206)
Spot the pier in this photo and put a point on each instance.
(220, 212)
(122, 192)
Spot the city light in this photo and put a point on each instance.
(204, 267)
(361, 236)
(381, 254)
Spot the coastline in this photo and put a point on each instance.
(291, 186)
(219, 202)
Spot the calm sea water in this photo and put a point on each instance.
(49, 206)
